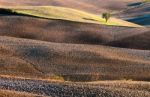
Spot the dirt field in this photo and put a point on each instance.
(51, 57)
(30, 58)
(57, 89)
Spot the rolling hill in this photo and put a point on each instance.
(31, 59)
(61, 89)
(64, 48)
(139, 41)
(62, 31)
(49, 12)
(139, 14)
(85, 5)
(80, 28)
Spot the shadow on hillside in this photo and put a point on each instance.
(135, 4)
(142, 20)
(98, 77)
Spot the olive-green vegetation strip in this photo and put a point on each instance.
(51, 12)
(146, 1)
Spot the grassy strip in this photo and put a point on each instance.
(51, 12)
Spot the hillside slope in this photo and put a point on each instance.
(62, 31)
(87, 5)
(64, 48)
(139, 41)
(49, 12)
(139, 14)
(136, 11)
(63, 89)
(71, 61)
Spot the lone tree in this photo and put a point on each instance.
(106, 16)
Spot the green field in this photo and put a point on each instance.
(51, 12)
